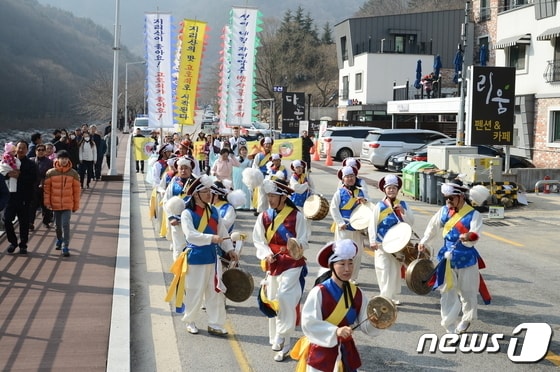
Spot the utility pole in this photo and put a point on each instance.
(461, 120)
(116, 47)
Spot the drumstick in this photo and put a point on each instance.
(375, 316)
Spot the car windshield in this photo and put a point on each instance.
(141, 122)
(372, 137)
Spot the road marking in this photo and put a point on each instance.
(242, 360)
(502, 239)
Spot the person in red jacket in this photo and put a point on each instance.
(62, 196)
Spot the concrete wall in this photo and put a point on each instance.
(528, 177)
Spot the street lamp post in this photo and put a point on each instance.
(126, 128)
(116, 47)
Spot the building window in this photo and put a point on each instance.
(517, 57)
(484, 10)
(345, 88)
(344, 48)
(358, 82)
(554, 127)
(399, 43)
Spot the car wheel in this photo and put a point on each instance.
(381, 167)
(344, 153)
(260, 136)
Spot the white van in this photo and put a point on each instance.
(345, 141)
(380, 144)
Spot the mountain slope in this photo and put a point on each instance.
(47, 55)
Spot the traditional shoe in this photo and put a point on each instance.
(12, 248)
(192, 329)
(217, 331)
(462, 327)
(282, 354)
(278, 344)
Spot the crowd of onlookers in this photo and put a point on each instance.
(24, 170)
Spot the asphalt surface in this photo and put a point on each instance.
(160, 341)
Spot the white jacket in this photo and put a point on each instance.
(88, 152)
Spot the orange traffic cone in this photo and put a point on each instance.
(316, 151)
(329, 161)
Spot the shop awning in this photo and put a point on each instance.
(512, 41)
(549, 34)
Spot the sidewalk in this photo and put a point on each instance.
(56, 312)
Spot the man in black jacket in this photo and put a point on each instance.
(307, 144)
(20, 201)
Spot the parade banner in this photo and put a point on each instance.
(224, 76)
(198, 150)
(244, 26)
(192, 40)
(159, 58)
(143, 147)
(290, 149)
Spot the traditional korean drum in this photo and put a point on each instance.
(315, 207)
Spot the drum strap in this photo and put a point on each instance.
(264, 160)
(455, 220)
(278, 220)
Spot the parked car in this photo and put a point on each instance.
(380, 144)
(396, 161)
(345, 142)
(255, 131)
(515, 161)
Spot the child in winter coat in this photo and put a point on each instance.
(62, 196)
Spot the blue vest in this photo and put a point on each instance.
(299, 199)
(205, 254)
(462, 256)
(389, 221)
(223, 210)
(344, 198)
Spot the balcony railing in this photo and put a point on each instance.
(552, 72)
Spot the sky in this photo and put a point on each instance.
(214, 12)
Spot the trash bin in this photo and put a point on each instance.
(432, 186)
(411, 177)
(422, 185)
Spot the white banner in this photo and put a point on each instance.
(225, 69)
(159, 57)
(244, 40)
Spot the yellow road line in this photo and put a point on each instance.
(504, 240)
(553, 358)
(240, 356)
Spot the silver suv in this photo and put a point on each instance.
(345, 141)
(380, 144)
(141, 122)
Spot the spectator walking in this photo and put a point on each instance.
(35, 141)
(306, 145)
(62, 195)
(139, 163)
(43, 165)
(101, 147)
(107, 140)
(20, 200)
(88, 157)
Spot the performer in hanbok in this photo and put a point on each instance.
(386, 214)
(275, 169)
(332, 311)
(238, 184)
(357, 165)
(457, 273)
(178, 187)
(260, 162)
(286, 275)
(301, 183)
(205, 232)
(225, 199)
(345, 199)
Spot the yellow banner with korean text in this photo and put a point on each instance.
(290, 149)
(192, 39)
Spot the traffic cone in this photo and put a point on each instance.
(329, 161)
(316, 151)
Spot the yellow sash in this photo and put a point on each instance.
(280, 217)
(203, 221)
(340, 311)
(456, 218)
(179, 269)
(350, 203)
(264, 160)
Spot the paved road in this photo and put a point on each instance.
(518, 250)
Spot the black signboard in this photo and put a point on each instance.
(293, 110)
(492, 105)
